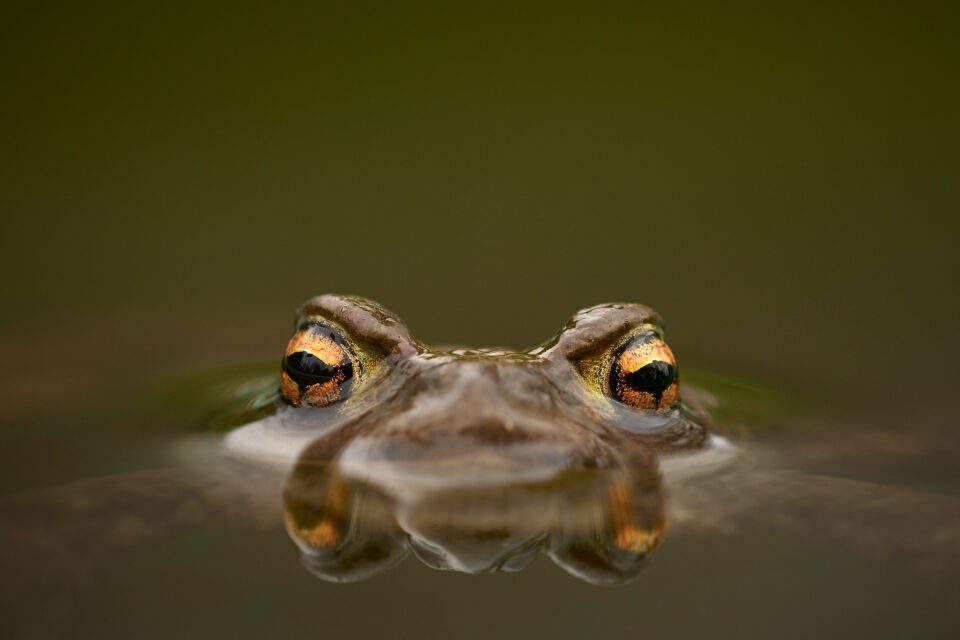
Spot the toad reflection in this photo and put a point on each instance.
(598, 524)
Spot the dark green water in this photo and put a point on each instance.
(780, 183)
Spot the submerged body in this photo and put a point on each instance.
(370, 445)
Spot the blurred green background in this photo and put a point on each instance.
(778, 180)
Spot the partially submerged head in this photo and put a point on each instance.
(608, 374)
(455, 451)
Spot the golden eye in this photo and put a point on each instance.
(317, 367)
(643, 374)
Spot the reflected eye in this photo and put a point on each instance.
(643, 374)
(317, 367)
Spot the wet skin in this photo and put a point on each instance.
(475, 459)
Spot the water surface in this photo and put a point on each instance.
(780, 185)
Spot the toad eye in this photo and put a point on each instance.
(317, 367)
(643, 374)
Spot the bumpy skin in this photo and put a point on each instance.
(478, 458)
(552, 392)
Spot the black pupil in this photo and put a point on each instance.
(306, 367)
(654, 378)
